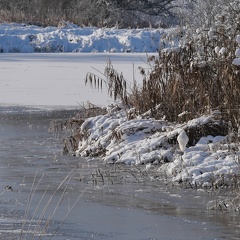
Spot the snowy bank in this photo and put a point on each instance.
(71, 38)
(207, 160)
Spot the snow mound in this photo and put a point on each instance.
(206, 159)
(71, 38)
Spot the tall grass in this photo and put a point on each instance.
(179, 85)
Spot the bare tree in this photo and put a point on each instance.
(199, 13)
(98, 13)
(150, 7)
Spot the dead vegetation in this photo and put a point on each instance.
(186, 82)
(115, 83)
(109, 174)
(69, 130)
(197, 77)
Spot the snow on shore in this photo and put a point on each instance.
(211, 161)
(71, 38)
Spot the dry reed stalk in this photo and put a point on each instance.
(30, 198)
(42, 225)
(69, 211)
(115, 82)
(46, 207)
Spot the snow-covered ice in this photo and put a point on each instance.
(31, 78)
(47, 79)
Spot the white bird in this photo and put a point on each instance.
(182, 140)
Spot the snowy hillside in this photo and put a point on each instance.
(71, 38)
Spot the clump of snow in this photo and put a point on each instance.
(207, 162)
(222, 51)
(71, 38)
(237, 52)
(118, 139)
(236, 61)
(123, 140)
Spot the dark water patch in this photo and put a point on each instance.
(32, 164)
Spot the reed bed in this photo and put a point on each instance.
(191, 77)
(194, 75)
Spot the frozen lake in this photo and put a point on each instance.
(126, 210)
(123, 210)
(59, 79)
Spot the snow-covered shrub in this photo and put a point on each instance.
(195, 74)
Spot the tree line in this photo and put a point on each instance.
(99, 13)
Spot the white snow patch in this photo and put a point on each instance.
(23, 38)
